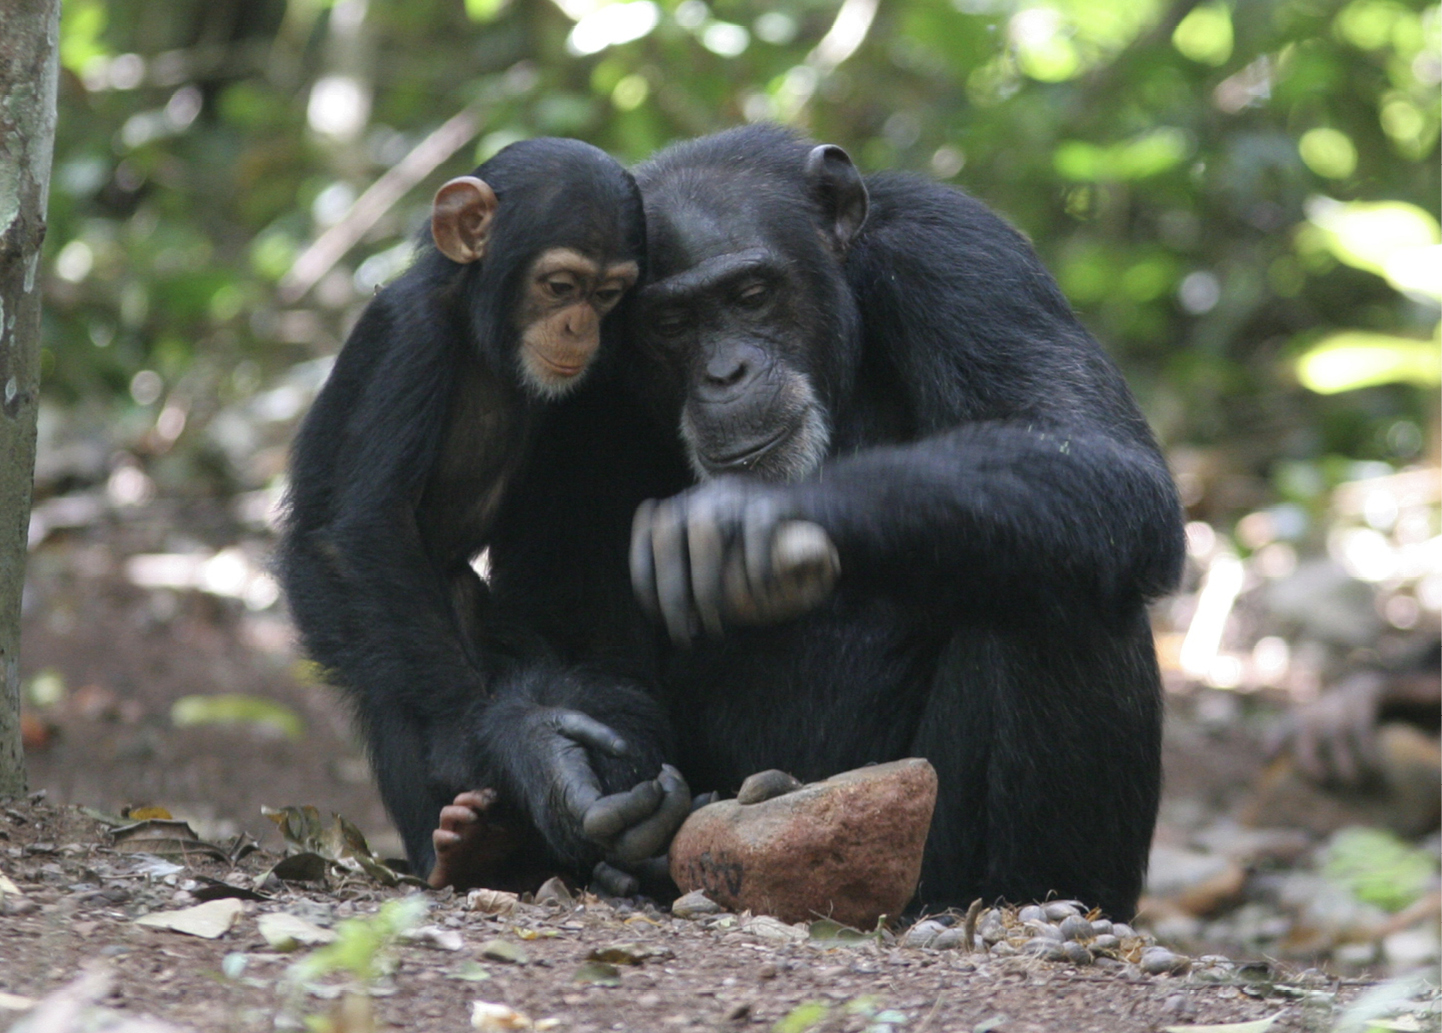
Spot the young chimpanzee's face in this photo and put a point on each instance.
(555, 229)
(566, 295)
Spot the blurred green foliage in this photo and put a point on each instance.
(1188, 170)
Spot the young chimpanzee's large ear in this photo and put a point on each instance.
(461, 218)
(835, 182)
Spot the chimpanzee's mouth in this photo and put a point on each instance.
(747, 457)
(561, 369)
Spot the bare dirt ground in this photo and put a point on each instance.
(119, 656)
(79, 897)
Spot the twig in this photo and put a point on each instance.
(331, 246)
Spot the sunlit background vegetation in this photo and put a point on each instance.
(1240, 198)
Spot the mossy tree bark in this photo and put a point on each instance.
(29, 63)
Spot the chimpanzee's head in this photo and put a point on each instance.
(551, 233)
(746, 317)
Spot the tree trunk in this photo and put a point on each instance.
(29, 64)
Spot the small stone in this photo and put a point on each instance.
(849, 847)
(1122, 931)
(767, 971)
(1179, 1006)
(555, 891)
(1043, 929)
(1047, 950)
(1102, 927)
(1031, 913)
(994, 932)
(1105, 942)
(1109, 964)
(1057, 910)
(695, 905)
(17, 906)
(950, 940)
(1158, 961)
(1003, 950)
(767, 785)
(923, 933)
(1076, 953)
(1074, 927)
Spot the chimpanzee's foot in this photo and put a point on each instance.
(472, 848)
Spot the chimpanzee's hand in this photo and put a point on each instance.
(628, 826)
(728, 551)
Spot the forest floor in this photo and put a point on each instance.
(108, 651)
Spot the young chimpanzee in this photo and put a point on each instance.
(396, 478)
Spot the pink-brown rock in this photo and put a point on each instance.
(848, 848)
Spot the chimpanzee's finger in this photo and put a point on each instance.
(613, 881)
(673, 569)
(741, 606)
(705, 550)
(758, 525)
(643, 564)
(586, 730)
(610, 816)
(805, 565)
(651, 835)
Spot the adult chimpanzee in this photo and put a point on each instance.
(396, 479)
(886, 364)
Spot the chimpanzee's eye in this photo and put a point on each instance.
(608, 296)
(753, 295)
(670, 322)
(560, 286)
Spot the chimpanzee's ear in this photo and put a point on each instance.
(836, 184)
(461, 218)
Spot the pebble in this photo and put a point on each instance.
(1158, 961)
(993, 933)
(1102, 927)
(1057, 910)
(1044, 929)
(950, 939)
(1105, 942)
(695, 905)
(923, 933)
(1074, 927)
(1076, 953)
(766, 785)
(1044, 948)
(1031, 913)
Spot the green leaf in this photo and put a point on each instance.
(1355, 359)
(599, 973)
(235, 708)
(1378, 867)
(483, 11)
(802, 1018)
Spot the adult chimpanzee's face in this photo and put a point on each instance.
(735, 313)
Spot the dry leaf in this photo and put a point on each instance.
(1259, 1026)
(14, 1002)
(500, 950)
(287, 932)
(435, 936)
(489, 1017)
(492, 902)
(210, 920)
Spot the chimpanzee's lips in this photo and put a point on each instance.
(748, 456)
(561, 369)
